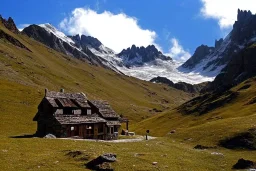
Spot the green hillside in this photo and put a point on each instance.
(208, 118)
(26, 74)
(28, 67)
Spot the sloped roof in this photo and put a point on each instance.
(55, 95)
(69, 119)
(65, 102)
(104, 108)
(60, 99)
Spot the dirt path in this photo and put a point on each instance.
(137, 139)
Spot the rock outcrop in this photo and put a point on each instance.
(200, 53)
(245, 140)
(241, 67)
(102, 162)
(9, 24)
(244, 164)
(196, 88)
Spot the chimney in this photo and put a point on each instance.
(62, 90)
(45, 90)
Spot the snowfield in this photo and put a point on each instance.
(166, 69)
(162, 68)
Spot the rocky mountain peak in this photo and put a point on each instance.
(9, 24)
(199, 54)
(84, 41)
(139, 55)
(245, 27)
(243, 15)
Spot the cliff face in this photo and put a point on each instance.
(241, 67)
(244, 28)
(211, 60)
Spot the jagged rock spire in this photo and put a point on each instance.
(9, 24)
(242, 15)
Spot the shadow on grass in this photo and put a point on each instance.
(24, 136)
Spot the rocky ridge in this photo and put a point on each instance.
(140, 55)
(196, 88)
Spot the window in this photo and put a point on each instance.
(89, 111)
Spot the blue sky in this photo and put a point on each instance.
(175, 26)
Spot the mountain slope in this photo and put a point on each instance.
(209, 118)
(143, 63)
(42, 67)
(51, 37)
(25, 73)
(210, 61)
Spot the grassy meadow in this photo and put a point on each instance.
(24, 75)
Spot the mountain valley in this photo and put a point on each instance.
(200, 113)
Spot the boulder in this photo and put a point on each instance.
(102, 162)
(244, 164)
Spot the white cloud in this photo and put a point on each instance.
(117, 31)
(177, 52)
(22, 26)
(225, 11)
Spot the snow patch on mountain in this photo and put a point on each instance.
(209, 66)
(134, 61)
(107, 54)
(147, 71)
(166, 69)
(48, 27)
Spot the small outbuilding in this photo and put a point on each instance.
(73, 115)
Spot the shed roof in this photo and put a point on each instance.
(104, 108)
